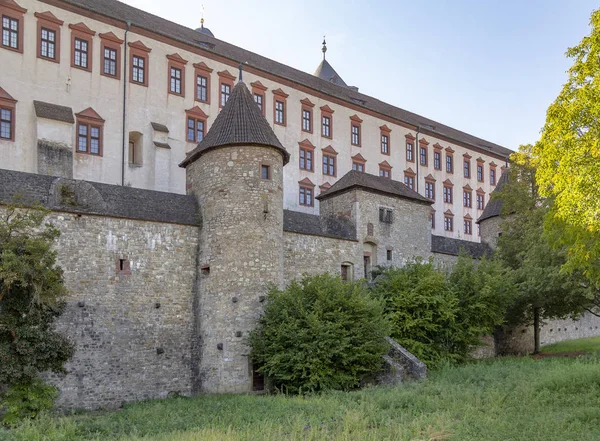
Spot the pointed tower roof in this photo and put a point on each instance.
(494, 206)
(326, 72)
(241, 123)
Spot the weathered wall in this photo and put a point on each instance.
(55, 159)
(132, 329)
(490, 228)
(242, 244)
(313, 255)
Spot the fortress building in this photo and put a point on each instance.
(104, 92)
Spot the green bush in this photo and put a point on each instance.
(320, 333)
(26, 400)
(440, 317)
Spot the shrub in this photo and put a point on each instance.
(320, 333)
(440, 317)
(27, 400)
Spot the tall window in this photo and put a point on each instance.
(467, 168)
(6, 123)
(201, 88)
(492, 176)
(358, 166)
(48, 44)
(423, 155)
(195, 130)
(89, 139)
(468, 225)
(329, 165)
(258, 99)
(306, 120)
(355, 132)
(447, 194)
(437, 160)
(430, 190)
(81, 53)
(110, 62)
(448, 223)
(410, 152)
(480, 172)
(225, 93)
(449, 164)
(265, 172)
(175, 75)
(409, 180)
(138, 69)
(306, 196)
(480, 201)
(432, 220)
(10, 32)
(279, 112)
(306, 159)
(385, 144)
(467, 198)
(326, 126)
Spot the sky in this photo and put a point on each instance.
(490, 68)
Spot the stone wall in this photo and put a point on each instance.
(313, 255)
(490, 228)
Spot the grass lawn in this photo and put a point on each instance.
(588, 345)
(510, 399)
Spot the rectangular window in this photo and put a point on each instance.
(386, 215)
(467, 169)
(355, 134)
(389, 255)
(201, 88)
(358, 166)
(258, 99)
(449, 164)
(468, 226)
(480, 172)
(88, 139)
(81, 53)
(423, 156)
(384, 173)
(10, 32)
(480, 202)
(225, 92)
(437, 160)
(329, 165)
(345, 273)
(265, 172)
(6, 123)
(448, 194)
(493, 176)
(430, 190)
(410, 152)
(326, 127)
(410, 182)
(306, 160)
(279, 112)
(306, 196)
(467, 199)
(110, 62)
(48, 43)
(139, 69)
(385, 144)
(432, 221)
(306, 120)
(195, 130)
(175, 75)
(448, 223)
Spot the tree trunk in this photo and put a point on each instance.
(536, 330)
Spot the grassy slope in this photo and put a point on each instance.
(588, 345)
(502, 400)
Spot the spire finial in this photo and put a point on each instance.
(241, 66)
(324, 47)
(202, 17)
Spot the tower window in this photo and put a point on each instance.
(265, 172)
(389, 255)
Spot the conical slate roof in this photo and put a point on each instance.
(240, 122)
(494, 206)
(328, 73)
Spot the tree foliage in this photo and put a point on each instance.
(320, 333)
(568, 157)
(441, 317)
(31, 291)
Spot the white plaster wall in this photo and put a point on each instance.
(56, 131)
(31, 78)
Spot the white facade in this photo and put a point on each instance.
(26, 77)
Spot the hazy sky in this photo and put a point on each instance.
(487, 67)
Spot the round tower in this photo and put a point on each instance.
(236, 174)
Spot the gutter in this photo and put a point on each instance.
(128, 24)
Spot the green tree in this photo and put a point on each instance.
(31, 292)
(320, 333)
(543, 291)
(568, 158)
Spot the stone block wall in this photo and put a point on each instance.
(130, 294)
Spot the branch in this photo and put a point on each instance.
(592, 312)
